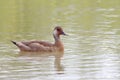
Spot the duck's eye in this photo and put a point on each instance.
(58, 29)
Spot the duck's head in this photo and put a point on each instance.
(58, 31)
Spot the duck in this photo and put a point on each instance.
(43, 46)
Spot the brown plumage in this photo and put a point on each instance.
(42, 46)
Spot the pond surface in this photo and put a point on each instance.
(92, 49)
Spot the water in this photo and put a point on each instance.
(91, 49)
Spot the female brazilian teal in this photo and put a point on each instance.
(43, 46)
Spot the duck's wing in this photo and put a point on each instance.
(44, 43)
(33, 45)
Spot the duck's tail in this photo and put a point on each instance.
(14, 42)
(21, 46)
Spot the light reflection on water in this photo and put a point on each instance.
(30, 66)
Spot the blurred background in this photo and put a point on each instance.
(91, 49)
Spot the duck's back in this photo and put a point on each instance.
(34, 46)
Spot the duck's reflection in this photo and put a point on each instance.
(59, 67)
(57, 61)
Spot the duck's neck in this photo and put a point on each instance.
(58, 42)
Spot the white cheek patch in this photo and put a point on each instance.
(55, 35)
(55, 32)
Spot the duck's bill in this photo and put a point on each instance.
(64, 34)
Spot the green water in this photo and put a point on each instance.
(92, 49)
